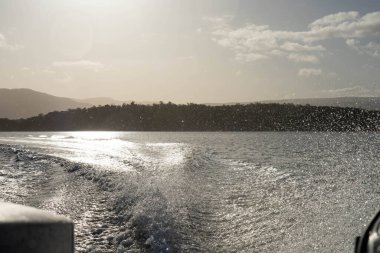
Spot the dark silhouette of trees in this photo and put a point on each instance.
(198, 117)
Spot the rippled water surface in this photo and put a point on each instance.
(200, 192)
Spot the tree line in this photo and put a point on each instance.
(199, 117)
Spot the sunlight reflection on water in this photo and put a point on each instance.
(108, 150)
(233, 191)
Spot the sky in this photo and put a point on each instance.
(202, 51)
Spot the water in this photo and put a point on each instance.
(199, 192)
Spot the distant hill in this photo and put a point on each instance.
(368, 103)
(195, 117)
(99, 101)
(25, 103)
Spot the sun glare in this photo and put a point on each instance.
(95, 135)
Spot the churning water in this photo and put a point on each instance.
(199, 192)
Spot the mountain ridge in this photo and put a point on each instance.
(25, 103)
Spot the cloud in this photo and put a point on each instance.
(64, 79)
(354, 91)
(254, 42)
(88, 65)
(309, 72)
(345, 25)
(303, 58)
(219, 22)
(28, 70)
(250, 57)
(335, 19)
(48, 71)
(3, 42)
(372, 49)
(296, 47)
(5, 45)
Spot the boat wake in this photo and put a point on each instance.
(109, 208)
(187, 192)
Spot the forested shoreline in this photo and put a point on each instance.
(198, 117)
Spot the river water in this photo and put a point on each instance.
(198, 192)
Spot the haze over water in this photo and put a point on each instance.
(220, 192)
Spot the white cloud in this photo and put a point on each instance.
(354, 91)
(309, 72)
(296, 47)
(335, 19)
(3, 42)
(254, 42)
(303, 58)
(48, 71)
(372, 49)
(64, 79)
(345, 25)
(88, 65)
(26, 69)
(5, 45)
(250, 57)
(219, 22)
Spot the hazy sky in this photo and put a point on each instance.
(191, 51)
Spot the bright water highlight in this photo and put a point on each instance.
(200, 192)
